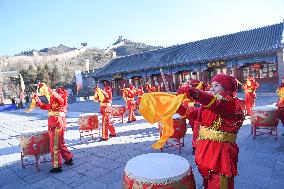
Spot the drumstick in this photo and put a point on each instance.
(164, 80)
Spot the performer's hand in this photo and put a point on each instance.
(192, 93)
(36, 98)
(39, 85)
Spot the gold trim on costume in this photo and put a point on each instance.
(51, 113)
(55, 148)
(211, 102)
(105, 104)
(223, 182)
(214, 135)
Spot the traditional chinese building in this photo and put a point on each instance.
(257, 52)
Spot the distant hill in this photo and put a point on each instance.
(99, 57)
(47, 51)
(57, 57)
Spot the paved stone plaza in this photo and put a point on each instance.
(101, 164)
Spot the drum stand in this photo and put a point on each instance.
(120, 116)
(39, 158)
(269, 131)
(84, 133)
(176, 142)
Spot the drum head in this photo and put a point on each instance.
(264, 108)
(157, 168)
(117, 105)
(34, 131)
(89, 114)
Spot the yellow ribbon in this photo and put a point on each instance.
(159, 106)
(32, 106)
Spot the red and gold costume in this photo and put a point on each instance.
(105, 99)
(139, 93)
(57, 108)
(250, 87)
(219, 118)
(190, 103)
(150, 88)
(280, 103)
(128, 95)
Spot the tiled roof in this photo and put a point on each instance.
(253, 42)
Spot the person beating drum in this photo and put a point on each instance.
(57, 108)
(250, 87)
(104, 96)
(219, 118)
(280, 103)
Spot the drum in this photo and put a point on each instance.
(158, 170)
(118, 110)
(179, 126)
(88, 121)
(34, 142)
(264, 116)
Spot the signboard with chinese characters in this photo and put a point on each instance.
(117, 76)
(216, 64)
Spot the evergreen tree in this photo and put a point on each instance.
(54, 76)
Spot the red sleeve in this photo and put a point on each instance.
(223, 107)
(189, 112)
(58, 97)
(43, 106)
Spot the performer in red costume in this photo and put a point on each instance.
(139, 93)
(105, 99)
(190, 104)
(57, 108)
(219, 118)
(280, 103)
(250, 87)
(150, 88)
(128, 95)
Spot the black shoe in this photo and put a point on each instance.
(193, 150)
(56, 170)
(129, 121)
(69, 162)
(114, 135)
(103, 139)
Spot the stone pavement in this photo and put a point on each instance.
(100, 164)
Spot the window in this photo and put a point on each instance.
(272, 70)
(246, 72)
(263, 71)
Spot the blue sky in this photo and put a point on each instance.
(36, 24)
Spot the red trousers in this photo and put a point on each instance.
(131, 108)
(217, 181)
(250, 102)
(106, 122)
(58, 148)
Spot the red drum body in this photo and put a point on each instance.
(118, 110)
(34, 142)
(88, 121)
(264, 116)
(158, 170)
(179, 128)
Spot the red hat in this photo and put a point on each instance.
(251, 78)
(228, 82)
